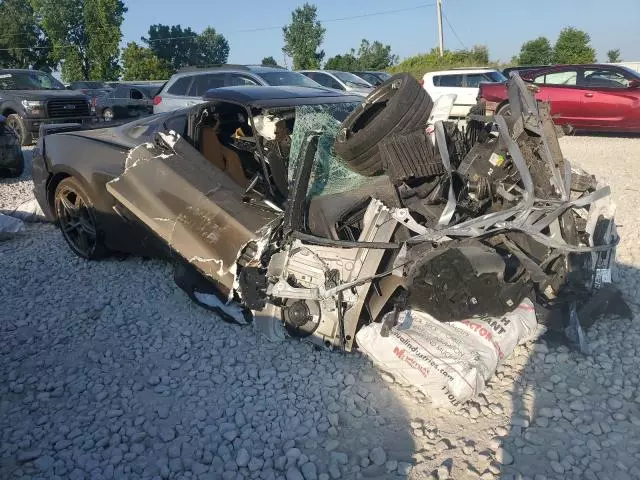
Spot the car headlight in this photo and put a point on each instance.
(33, 107)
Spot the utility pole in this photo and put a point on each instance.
(440, 34)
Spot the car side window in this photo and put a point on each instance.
(237, 79)
(474, 79)
(604, 78)
(207, 81)
(136, 94)
(565, 77)
(447, 80)
(180, 86)
(121, 92)
(327, 81)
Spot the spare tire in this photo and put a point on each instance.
(398, 105)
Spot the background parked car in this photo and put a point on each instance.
(463, 83)
(374, 78)
(186, 88)
(337, 80)
(593, 97)
(91, 88)
(126, 101)
(31, 98)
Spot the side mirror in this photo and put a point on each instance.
(634, 84)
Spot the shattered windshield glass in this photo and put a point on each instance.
(330, 174)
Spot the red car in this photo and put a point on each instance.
(583, 97)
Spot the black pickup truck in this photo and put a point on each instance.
(31, 98)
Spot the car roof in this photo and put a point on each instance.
(229, 68)
(20, 70)
(260, 96)
(459, 71)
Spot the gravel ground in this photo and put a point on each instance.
(107, 370)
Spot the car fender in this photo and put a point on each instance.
(92, 162)
(9, 106)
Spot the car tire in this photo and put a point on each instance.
(13, 149)
(108, 115)
(18, 168)
(76, 218)
(504, 110)
(15, 122)
(399, 105)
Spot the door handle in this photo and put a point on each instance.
(589, 95)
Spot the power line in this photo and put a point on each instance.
(258, 29)
(454, 31)
(340, 19)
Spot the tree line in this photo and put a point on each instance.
(572, 46)
(81, 38)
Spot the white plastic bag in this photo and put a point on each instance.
(449, 362)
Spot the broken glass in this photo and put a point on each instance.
(330, 174)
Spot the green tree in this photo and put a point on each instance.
(269, 62)
(375, 56)
(573, 46)
(140, 63)
(536, 52)
(613, 56)
(418, 65)
(181, 48)
(173, 44)
(303, 37)
(22, 42)
(213, 48)
(85, 36)
(346, 63)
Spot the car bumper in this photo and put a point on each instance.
(41, 177)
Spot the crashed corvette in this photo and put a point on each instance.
(321, 214)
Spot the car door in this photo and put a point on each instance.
(195, 207)
(610, 101)
(450, 84)
(137, 104)
(120, 102)
(559, 86)
(469, 94)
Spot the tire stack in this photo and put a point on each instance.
(398, 106)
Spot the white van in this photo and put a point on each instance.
(463, 83)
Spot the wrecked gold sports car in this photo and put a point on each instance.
(316, 212)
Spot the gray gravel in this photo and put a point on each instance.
(107, 371)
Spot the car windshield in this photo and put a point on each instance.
(350, 78)
(28, 80)
(330, 174)
(369, 77)
(384, 76)
(630, 71)
(286, 78)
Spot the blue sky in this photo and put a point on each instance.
(502, 25)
